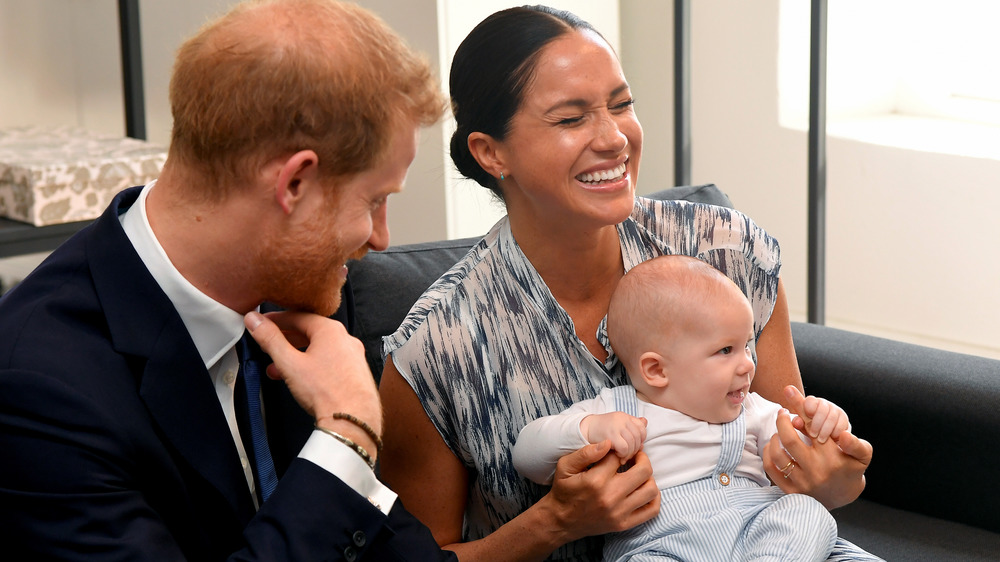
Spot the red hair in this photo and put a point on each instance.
(271, 78)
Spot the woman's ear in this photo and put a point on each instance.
(653, 369)
(297, 179)
(486, 151)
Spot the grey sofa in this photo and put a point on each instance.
(933, 489)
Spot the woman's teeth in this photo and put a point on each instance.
(597, 177)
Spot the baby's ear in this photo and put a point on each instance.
(653, 369)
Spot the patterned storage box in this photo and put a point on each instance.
(57, 175)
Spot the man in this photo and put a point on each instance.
(125, 423)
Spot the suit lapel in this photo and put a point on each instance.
(173, 382)
(181, 398)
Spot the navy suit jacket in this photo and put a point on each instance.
(113, 444)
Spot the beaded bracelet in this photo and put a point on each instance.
(358, 422)
(357, 448)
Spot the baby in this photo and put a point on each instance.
(684, 333)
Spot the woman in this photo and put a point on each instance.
(516, 330)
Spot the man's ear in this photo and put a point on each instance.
(296, 178)
(653, 369)
(486, 151)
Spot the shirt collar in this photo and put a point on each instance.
(213, 327)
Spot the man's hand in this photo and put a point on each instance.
(328, 375)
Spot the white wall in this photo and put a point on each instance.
(647, 57)
(58, 66)
(910, 233)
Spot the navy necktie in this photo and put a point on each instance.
(250, 371)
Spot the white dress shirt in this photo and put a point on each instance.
(215, 330)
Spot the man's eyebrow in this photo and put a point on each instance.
(580, 102)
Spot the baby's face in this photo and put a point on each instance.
(711, 365)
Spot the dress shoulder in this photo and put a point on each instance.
(440, 297)
(696, 229)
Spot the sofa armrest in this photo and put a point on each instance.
(932, 416)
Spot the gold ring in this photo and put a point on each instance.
(789, 467)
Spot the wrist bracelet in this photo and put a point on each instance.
(357, 448)
(358, 422)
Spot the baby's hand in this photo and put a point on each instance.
(823, 419)
(626, 433)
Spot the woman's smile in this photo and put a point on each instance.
(601, 177)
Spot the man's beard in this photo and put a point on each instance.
(309, 281)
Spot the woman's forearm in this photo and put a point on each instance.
(777, 366)
(532, 535)
(589, 496)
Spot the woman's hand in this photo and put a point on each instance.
(832, 472)
(590, 496)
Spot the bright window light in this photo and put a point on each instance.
(899, 61)
(954, 71)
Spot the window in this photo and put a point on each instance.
(910, 74)
(953, 71)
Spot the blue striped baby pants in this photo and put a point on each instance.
(724, 518)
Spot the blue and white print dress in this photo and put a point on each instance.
(487, 348)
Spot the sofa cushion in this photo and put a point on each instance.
(386, 284)
(932, 416)
(897, 534)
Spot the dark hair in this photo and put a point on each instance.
(490, 71)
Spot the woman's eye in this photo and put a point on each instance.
(570, 120)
